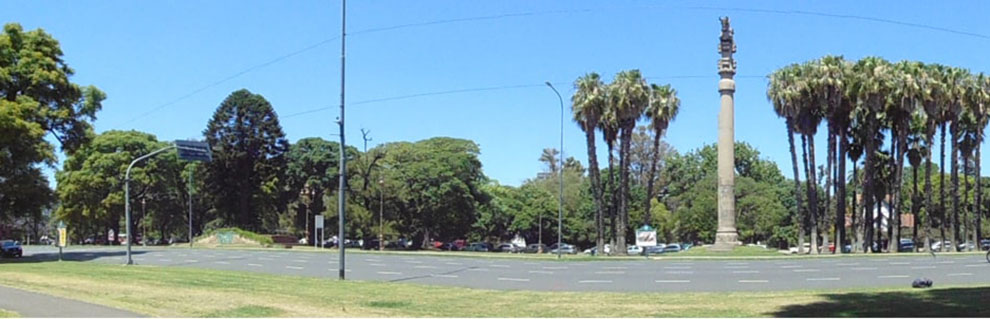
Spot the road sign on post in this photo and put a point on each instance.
(317, 230)
(194, 151)
(61, 238)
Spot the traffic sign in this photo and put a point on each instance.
(194, 151)
(319, 221)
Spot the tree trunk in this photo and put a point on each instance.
(914, 207)
(813, 195)
(955, 185)
(868, 192)
(840, 194)
(830, 149)
(596, 187)
(797, 185)
(855, 212)
(647, 216)
(612, 193)
(929, 209)
(941, 189)
(620, 235)
(978, 203)
(898, 197)
(965, 197)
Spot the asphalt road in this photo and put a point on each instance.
(35, 305)
(548, 275)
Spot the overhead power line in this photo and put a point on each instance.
(539, 13)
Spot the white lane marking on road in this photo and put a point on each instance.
(254, 265)
(758, 281)
(975, 265)
(595, 282)
(790, 266)
(823, 279)
(616, 268)
(373, 260)
(806, 270)
(960, 274)
(499, 266)
(453, 264)
(864, 268)
(222, 262)
(923, 267)
(947, 262)
(679, 272)
(478, 269)
(377, 265)
(300, 261)
(165, 260)
(414, 261)
(530, 263)
(541, 272)
(555, 267)
(900, 263)
(736, 267)
(192, 261)
(847, 264)
(610, 272)
(389, 273)
(745, 271)
(671, 281)
(677, 267)
(737, 263)
(513, 279)
(892, 276)
(294, 267)
(425, 267)
(444, 276)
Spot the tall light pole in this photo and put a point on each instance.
(560, 202)
(342, 188)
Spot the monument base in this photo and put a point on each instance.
(725, 241)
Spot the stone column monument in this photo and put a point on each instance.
(726, 238)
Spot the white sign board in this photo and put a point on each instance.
(646, 238)
(319, 221)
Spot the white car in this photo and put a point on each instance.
(591, 251)
(634, 250)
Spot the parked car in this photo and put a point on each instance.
(593, 250)
(451, 246)
(686, 246)
(967, 246)
(939, 245)
(653, 250)
(564, 249)
(906, 245)
(508, 248)
(536, 248)
(634, 250)
(672, 248)
(985, 244)
(479, 246)
(10, 248)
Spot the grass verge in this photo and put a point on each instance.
(190, 292)
(8, 314)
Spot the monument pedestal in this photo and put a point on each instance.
(725, 241)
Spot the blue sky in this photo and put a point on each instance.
(154, 59)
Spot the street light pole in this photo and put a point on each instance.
(342, 188)
(127, 197)
(560, 202)
(381, 214)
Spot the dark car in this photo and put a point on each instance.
(906, 245)
(478, 247)
(985, 244)
(536, 248)
(653, 250)
(11, 248)
(508, 248)
(451, 246)
(563, 248)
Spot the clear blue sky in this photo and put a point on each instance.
(149, 53)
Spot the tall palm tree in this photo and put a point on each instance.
(629, 96)
(932, 98)
(830, 84)
(782, 94)
(916, 151)
(609, 124)
(855, 152)
(907, 95)
(662, 109)
(955, 87)
(588, 104)
(549, 156)
(809, 117)
(871, 87)
(982, 99)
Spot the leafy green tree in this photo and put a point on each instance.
(311, 173)
(246, 178)
(37, 99)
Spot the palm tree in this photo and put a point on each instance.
(782, 94)
(917, 150)
(661, 111)
(907, 95)
(609, 124)
(932, 98)
(982, 99)
(871, 87)
(830, 83)
(956, 89)
(629, 96)
(588, 104)
(855, 152)
(549, 156)
(809, 116)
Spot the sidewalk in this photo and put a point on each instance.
(30, 304)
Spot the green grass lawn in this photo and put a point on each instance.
(191, 292)
(8, 314)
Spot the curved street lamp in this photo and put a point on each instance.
(560, 202)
